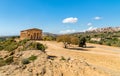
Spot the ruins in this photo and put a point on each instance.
(32, 34)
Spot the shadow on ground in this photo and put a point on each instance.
(90, 47)
(78, 48)
(51, 57)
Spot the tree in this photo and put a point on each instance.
(74, 40)
(82, 41)
(49, 38)
(66, 39)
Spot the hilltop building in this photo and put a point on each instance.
(32, 34)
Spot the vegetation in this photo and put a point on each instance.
(40, 47)
(107, 38)
(68, 39)
(62, 58)
(82, 42)
(11, 45)
(23, 42)
(1, 47)
(32, 58)
(25, 61)
(8, 45)
(28, 60)
(6, 61)
(49, 38)
(9, 60)
(2, 62)
(34, 46)
(74, 40)
(65, 39)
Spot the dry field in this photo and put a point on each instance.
(102, 57)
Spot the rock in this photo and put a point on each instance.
(4, 54)
(43, 66)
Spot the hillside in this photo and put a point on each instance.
(105, 29)
(31, 60)
(104, 36)
(49, 34)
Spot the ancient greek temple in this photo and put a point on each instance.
(32, 34)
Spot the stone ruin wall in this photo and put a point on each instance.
(32, 34)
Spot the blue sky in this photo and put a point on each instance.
(57, 16)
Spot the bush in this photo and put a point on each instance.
(30, 45)
(9, 60)
(74, 40)
(36, 46)
(23, 42)
(62, 58)
(49, 38)
(32, 58)
(41, 47)
(100, 42)
(1, 48)
(66, 39)
(25, 61)
(82, 42)
(8, 45)
(108, 43)
(2, 63)
(11, 47)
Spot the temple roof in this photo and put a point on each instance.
(31, 29)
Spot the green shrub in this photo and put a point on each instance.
(23, 42)
(108, 43)
(100, 42)
(9, 60)
(49, 38)
(62, 58)
(32, 58)
(1, 48)
(11, 47)
(1, 58)
(34, 46)
(41, 47)
(2, 62)
(82, 41)
(25, 61)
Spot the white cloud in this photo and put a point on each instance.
(89, 24)
(91, 28)
(67, 31)
(70, 20)
(97, 18)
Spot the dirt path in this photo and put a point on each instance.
(103, 57)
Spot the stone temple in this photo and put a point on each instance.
(32, 34)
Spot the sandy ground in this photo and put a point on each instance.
(103, 57)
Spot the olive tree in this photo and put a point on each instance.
(65, 39)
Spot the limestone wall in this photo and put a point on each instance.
(33, 34)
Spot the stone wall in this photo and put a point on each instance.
(32, 34)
